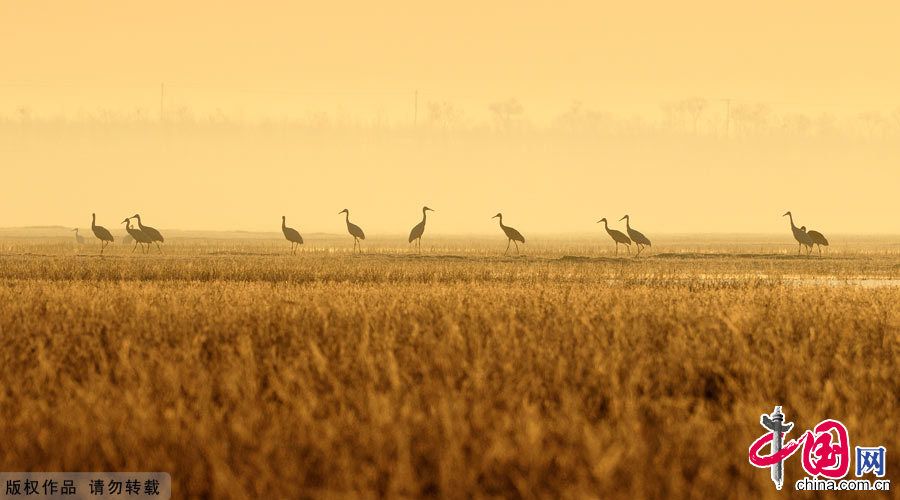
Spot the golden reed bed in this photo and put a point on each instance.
(249, 373)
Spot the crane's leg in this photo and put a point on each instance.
(517, 247)
(159, 247)
(629, 249)
(507, 247)
(135, 246)
(617, 248)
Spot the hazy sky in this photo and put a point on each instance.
(288, 58)
(623, 55)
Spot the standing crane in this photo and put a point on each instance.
(617, 236)
(101, 233)
(636, 236)
(137, 235)
(291, 235)
(78, 238)
(354, 230)
(419, 230)
(799, 235)
(513, 235)
(151, 233)
(817, 239)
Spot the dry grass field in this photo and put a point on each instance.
(246, 372)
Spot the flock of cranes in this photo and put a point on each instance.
(640, 241)
(147, 236)
(143, 235)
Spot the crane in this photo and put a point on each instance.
(799, 235)
(817, 239)
(151, 233)
(617, 236)
(636, 236)
(354, 230)
(291, 235)
(137, 235)
(101, 233)
(419, 229)
(79, 239)
(513, 235)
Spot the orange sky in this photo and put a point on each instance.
(365, 59)
(625, 55)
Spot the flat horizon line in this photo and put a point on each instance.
(545, 234)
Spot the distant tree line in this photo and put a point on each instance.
(695, 116)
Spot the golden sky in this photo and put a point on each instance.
(267, 58)
(614, 54)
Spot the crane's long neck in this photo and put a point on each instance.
(282, 224)
(791, 218)
(606, 225)
(93, 221)
(627, 223)
(140, 225)
(501, 221)
(347, 217)
(424, 215)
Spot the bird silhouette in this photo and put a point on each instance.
(151, 233)
(101, 233)
(419, 229)
(137, 235)
(817, 239)
(291, 235)
(799, 235)
(617, 236)
(354, 230)
(79, 239)
(513, 235)
(636, 236)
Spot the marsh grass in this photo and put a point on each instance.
(246, 372)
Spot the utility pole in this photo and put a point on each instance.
(162, 97)
(727, 118)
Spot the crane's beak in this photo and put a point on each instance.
(623, 218)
